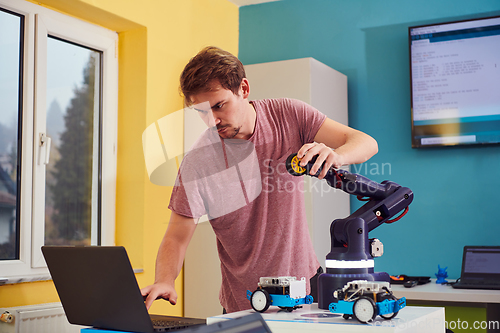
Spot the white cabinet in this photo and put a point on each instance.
(322, 87)
(325, 89)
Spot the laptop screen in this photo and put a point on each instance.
(481, 262)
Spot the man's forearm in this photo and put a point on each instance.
(173, 248)
(351, 146)
(358, 149)
(168, 262)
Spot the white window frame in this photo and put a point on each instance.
(39, 22)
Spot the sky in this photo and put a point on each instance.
(65, 65)
(9, 68)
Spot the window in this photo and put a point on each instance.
(72, 124)
(58, 78)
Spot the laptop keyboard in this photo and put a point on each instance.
(170, 323)
(476, 285)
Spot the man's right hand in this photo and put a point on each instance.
(157, 291)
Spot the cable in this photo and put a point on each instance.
(399, 217)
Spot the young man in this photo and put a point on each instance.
(267, 235)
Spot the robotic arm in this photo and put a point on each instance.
(352, 252)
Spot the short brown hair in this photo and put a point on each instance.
(211, 64)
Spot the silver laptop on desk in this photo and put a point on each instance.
(480, 268)
(97, 287)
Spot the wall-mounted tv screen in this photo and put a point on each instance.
(455, 83)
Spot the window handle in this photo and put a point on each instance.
(44, 153)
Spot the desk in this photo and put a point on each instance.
(442, 295)
(311, 319)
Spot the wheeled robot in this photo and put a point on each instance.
(364, 300)
(286, 292)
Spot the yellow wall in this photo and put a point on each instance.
(156, 39)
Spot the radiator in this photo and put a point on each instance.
(41, 318)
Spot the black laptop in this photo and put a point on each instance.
(97, 287)
(480, 268)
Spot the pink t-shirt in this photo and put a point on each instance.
(256, 208)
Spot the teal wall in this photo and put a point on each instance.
(456, 189)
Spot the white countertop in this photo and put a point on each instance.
(444, 293)
(311, 319)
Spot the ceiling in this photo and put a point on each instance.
(240, 3)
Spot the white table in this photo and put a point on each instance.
(311, 319)
(443, 295)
